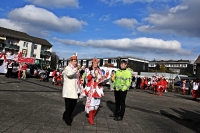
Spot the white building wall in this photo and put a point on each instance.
(25, 46)
(37, 51)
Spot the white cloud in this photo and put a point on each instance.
(89, 15)
(113, 2)
(178, 8)
(149, 45)
(6, 23)
(105, 17)
(36, 20)
(182, 19)
(127, 23)
(56, 3)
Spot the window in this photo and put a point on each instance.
(25, 44)
(35, 46)
(105, 61)
(90, 63)
(79, 62)
(113, 61)
(34, 55)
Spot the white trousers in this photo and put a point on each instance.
(94, 104)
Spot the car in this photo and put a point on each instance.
(34, 70)
(178, 83)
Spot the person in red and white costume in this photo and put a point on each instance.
(93, 90)
(195, 90)
(161, 85)
(24, 67)
(183, 87)
(153, 84)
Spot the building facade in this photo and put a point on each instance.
(138, 65)
(176, 66)
(12, 42)
(197, 67)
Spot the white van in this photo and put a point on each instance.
(3, 66)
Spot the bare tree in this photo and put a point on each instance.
(54, 60)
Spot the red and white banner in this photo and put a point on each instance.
(18, 58)
(26, 60)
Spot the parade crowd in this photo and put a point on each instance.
(81, 82)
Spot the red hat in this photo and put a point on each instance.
(95, 60)
(73, 57)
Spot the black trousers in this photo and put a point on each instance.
(9, 72)
(120, 97)
(69, 108)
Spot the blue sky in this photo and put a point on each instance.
(147, 29)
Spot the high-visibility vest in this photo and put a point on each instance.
(123, 79)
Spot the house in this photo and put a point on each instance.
(137, 64)
(12, 41)
(176, 66)
(197, 67)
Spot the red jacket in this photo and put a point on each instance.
(54, 72)
(24, 67)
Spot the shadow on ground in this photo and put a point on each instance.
(80, 107)
(186, 118)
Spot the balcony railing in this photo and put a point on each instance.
(1, 45)
(45, 53)
(11, 46)
(15, 47)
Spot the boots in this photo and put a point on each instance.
(160, 92)
(94, 113)
(90, 119)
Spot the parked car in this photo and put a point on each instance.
(178, 83)
(32, 70)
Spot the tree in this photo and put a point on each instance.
(151, 70)
(157, 67)
(54, 60)
(163, 68)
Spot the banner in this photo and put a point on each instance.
(17, 58)
(26, 60)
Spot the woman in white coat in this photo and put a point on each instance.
(70, 88)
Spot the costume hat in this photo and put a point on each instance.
(95, 60)
(73, 57)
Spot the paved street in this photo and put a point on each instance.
(31, 106)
